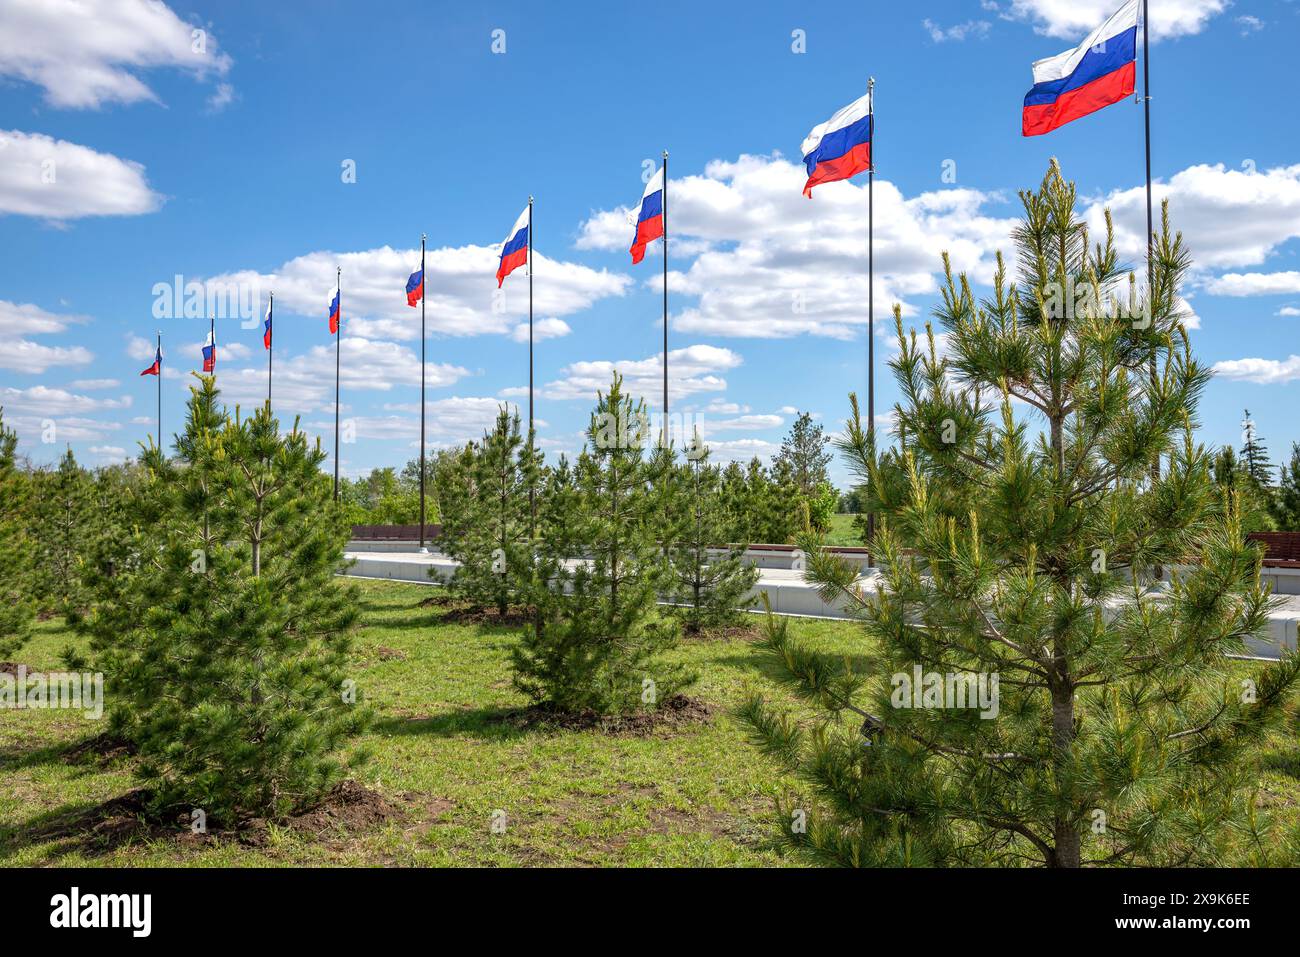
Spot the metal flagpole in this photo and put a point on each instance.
(159, 355)
(212, 334)
(532, 491)
(871, 285)
(424, 279)
(665, 204)
(1146, 90)
(270, 349)
(338, 337)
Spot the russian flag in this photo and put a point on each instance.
(156, 368)
(415, 287)
(1098, 72)
(840, 147)
(266, 327)
(514, 251)
(650, 217)
(210, 353)
(334, 313)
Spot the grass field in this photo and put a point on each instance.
(698, 794)
(842, 531)
(444, 758)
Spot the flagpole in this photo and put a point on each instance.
(159, 354)
(338, 338)
(1146, 90)
(665, 205)
(423, 292)
(270, 349)
(212, 334)
(532, 491)
(871, 287)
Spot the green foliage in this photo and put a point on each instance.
(220, 623)
(63, 523)
(1121, 734)
(384, 498)
(1286, 503)
(597, 639)
(710, 579)
(761, 505)
(804, 454)
(488, 519)
(1236, 482)
(17, 556)
(1254, 454)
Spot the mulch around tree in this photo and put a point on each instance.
(675, 713)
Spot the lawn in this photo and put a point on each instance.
(445, 759)
(695, 795)
(842, 531)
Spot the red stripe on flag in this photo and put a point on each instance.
(509, 264)
(647, 231)
(1089, 98)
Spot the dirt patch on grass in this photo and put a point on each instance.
(470, 615)
(11, 668)
(349, 807)
(103, 748)
(384, 653)
(677, 712)
(745, 632)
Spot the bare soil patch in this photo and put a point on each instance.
(675, 713)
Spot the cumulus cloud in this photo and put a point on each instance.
(86, 53)
(1229, 217)
(1074, 19)
(1254, 284)
(691, 370)
(58, 181)
(957, 32)
(542, 329)
(463, 298)
(47, 401)
(1260, 371)
(780, 265)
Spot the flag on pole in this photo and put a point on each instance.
(840, 147)
(1098, 72)
(210, 353)
(156, 368)
(266, 327)
(334, 312)
(649, 217)
(415, 287)
(514, 251)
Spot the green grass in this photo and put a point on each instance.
(842, 531)
(697, 795)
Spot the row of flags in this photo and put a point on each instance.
(1098, 72)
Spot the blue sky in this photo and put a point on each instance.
(225, 162)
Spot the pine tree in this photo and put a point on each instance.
(226, 633)
(16, 552)
(711, 578)
(1254, 454)
(493, 533)
(63, 525)
(597, 639)
(804, 452)
(1234, 480)
(1286, 504)
(1118, 732)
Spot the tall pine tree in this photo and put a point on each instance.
(17, 578)
(1286, 504)
(597, 640)
(1025, 547)
(225, 631)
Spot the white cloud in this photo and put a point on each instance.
(1254, 284)
(742, 423)
(795, 266)
(86, 53)
(957, 32)
(1074, 19)
(1229, 217)
(110, 454)
(23, 355)
(57, 180)
(1249, 24)
(460, 283)
(1289, 311)
(542, 329)
(741, 450)
(46, 401)
(1260, 371)
(690, 370)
